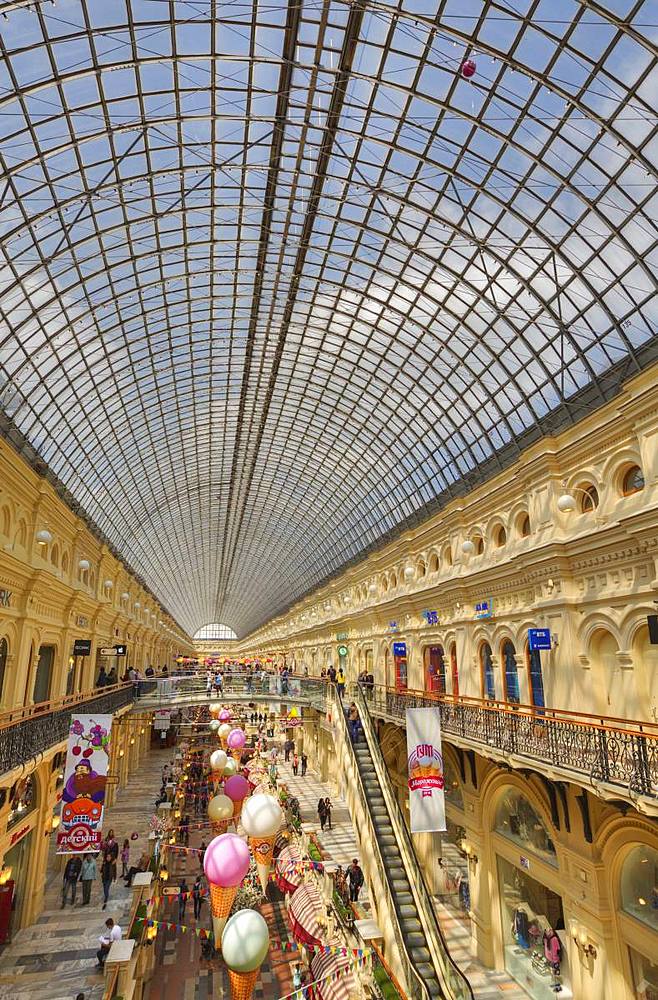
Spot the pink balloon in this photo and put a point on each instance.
(226, 861)
(236, 787)
(468, 68)
(236, 739)
(224, 715)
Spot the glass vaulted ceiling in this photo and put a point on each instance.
(273, 278)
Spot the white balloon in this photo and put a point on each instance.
(213, 725)
(245, 941)
(224, 730)
(261, 816)
(218, 760)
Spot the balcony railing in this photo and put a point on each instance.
(619, 753)
(27, 732)
(615, 752)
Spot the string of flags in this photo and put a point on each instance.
(332, 977)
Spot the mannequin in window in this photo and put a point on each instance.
(520, 928)
(552, 949)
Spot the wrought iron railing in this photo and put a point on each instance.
(616, 752)
(452, 979)
(27, 732)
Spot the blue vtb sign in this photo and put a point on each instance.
(399, 649)
(539, 638)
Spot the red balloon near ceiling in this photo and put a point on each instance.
(468, 68)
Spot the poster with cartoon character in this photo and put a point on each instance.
(85, 778)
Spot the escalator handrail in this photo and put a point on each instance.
(450, 976)
(339, 714)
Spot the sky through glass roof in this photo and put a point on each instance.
(274, 278)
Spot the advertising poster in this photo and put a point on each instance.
(85, 778)
(425, 764)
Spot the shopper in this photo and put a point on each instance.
(125, 858)
(71, 876)
(295, 764)
(197, 897)
(88, 875)
(304, 760)
(322, 813)
(327, 808)
(340, 683)
(110, 845)
(183, 890)
(112, 934)
(354, 722)
(108, 875)
(355, 879)
(202, 853)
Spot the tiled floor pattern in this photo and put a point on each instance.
(56, 957)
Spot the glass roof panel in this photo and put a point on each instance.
(275, 278)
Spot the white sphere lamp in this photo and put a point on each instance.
(84, 565)
(468, 548)
(44, 537)
(566, 503)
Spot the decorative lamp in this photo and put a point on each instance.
(225, 863)
(84, 565)
(108, 584)
(262, 818)
(468, 547)
(44, 537)
(245, 943)
(408, 572)
(566, 503)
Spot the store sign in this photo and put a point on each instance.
(393, 626)
(399, 649)
(539, 638)
(342, 650)
(15, 837)
(341, 636)
(431, 617)
(484, 609)
(82, 647)
(5, 598)
(162, 719)
(112, 651)
(85, 779)
(425, 766)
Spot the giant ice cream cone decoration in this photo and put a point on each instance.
(237, 789)
(235, 743)
(262, 818)
(223, 732)
(218, 760)
(226, 862)
(245, 942)
(220, 812)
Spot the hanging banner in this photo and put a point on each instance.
(426, 777)
(85, 777)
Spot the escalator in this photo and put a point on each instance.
(431, 966)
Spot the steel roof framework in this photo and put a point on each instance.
(276, 280)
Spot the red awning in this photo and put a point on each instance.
(306, 910)
(337, 987)
(287, 880)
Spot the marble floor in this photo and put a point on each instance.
(55, 959)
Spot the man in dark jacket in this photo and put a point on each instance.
(71, 876)
(355, 879)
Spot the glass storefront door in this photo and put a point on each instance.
(43, 678)
(18, 858)
(534, 937)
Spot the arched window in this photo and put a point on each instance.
(454, 669)
(639, 885)
(510, 672)
(589, 498)
(499, 536)
(420, 569)
(434, 563)
(5, 522)
(535, 677)
(633, 481)
(4, 652)
(517, 820)
(488, 682)
(478, 542)
(436, 670)
(54, 555)
(523, 522)
(447, 555)
(393, 582)
(215, 631)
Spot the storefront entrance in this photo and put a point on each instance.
(18, 858)
(435, 670)
(44, 674)
(534, 936)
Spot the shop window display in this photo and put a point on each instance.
(639, 886)
(645, 976)
(533, 934)
(452, 789)
(23, 800)
(453, 870)
(517, 820)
